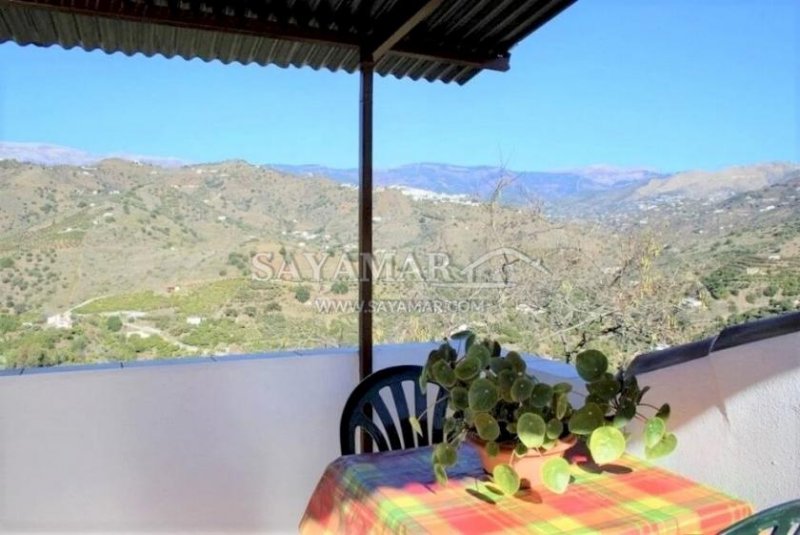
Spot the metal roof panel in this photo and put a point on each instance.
(454, 42)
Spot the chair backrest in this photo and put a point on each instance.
(366, 398)
(783, 519)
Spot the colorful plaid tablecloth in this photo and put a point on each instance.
(395, 492)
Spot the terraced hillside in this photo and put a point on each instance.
(128, 261)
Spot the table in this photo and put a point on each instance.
(395, 492)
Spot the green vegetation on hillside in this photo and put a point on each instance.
(203, 299)
(128, 262)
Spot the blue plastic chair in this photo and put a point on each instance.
(366, 399)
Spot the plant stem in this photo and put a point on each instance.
(425, 412)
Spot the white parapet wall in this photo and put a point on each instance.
(736, 413)
(226, 446)
(233, 445)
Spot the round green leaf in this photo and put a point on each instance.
(591, 365)
(606, 444)
(521, 389)
(562, 388)
(631, 382)
(603, 404)
(459, 398)
(482, 395)
(492, 449)
(516, 361)
(506, 378)
(427, 373)
(520, 449)
(487, 427)
(506, 479)
(586, 419)
(519, 411)
(664, 447)
(443, 374)
(498, 364)
(449, 353)
(593, 398)
(554, 428)
(445, 454)
(433, 357)
(604, 388)
(480, 352)
(555, 474)
(469, 368)
(531, 429)
(541, 395)
(654, 430)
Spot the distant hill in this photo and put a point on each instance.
(691, 187)
(48, 154)
(480, 181)
(597, 189)
(726, 182)
(475, 181)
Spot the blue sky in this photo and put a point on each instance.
(663, 84)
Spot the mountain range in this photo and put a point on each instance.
(481, 180)
(603, 186)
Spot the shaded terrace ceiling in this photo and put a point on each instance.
(445, 40)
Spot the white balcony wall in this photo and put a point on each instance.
(235, 445)
(737, 417)
(231, 446)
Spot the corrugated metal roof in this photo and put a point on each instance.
(454, 42)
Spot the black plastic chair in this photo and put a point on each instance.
(783, 519)
(366, 396)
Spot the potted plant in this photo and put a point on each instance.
(522, 426)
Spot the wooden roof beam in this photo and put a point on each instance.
(386, 38)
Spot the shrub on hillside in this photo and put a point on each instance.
(302, 294)
(114, 324)
(339, 287)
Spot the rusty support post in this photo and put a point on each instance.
(365, 230)
(365, 221)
